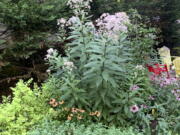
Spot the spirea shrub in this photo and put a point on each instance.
(28, 108)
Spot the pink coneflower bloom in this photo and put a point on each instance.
(134, 87)
(134, 108)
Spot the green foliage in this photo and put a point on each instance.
(27, 108)
(55, 128)
(105, 6)
(164, 17)
(143, 38)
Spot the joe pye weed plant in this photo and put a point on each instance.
(97, 73)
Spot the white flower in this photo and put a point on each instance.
(61, 21)
(68, 65)
(50, 50)
(48, 70)
(178, 21)
(79, 5)
(48, 56)
(72, 20)
(140, 67)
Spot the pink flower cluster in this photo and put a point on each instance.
(176, 93)
(164, 81)
(113, 24)
(134, 87)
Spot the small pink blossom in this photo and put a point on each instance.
(134, 108)
(134, 87)
(178, 98)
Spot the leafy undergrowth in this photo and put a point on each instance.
(56, 128)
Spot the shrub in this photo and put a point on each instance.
(27, 108)
(55, 128)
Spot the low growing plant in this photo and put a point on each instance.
(56, 128)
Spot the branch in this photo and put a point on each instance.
(9, 79)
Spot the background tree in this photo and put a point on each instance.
(27, 29)
(163, 14)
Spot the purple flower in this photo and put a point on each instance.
(178, 98)
(134, 108)
(134, 87)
